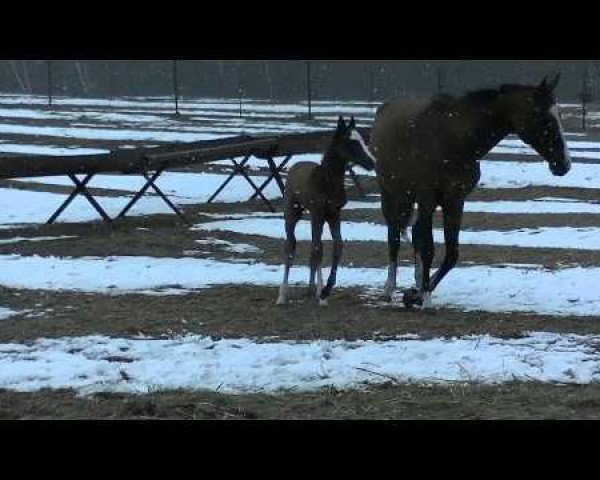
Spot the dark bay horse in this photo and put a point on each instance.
(427, 153)
(319, 188)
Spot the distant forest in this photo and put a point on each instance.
(286, 80)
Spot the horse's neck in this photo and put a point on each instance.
(486, 126)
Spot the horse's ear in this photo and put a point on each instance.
(543, 85)
(352, 123)
(341, 124)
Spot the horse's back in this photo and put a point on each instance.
(393, 121)
(394, 135)
(410, 139)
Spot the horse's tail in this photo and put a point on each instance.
(413, 216)
(381, 108)
(411, 221)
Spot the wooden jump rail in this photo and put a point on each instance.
(152, 162)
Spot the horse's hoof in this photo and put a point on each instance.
(426, 301)
(281, 301)
(412, 297)
(323, 302)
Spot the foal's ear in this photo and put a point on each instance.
(341, 124)
(549, 87)
(552, 85)
(352, 123)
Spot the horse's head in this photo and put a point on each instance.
(350, 145)
(535, 120)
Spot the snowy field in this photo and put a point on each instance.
(504, 288)
(250, 365)
(244, 366)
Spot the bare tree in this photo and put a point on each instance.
(269, 78)
(81, 76)
(15, 72)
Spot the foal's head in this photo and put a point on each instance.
(349, 144)
(534, 118)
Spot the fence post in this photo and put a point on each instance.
(240, 91)
(175, 87)
(585, 96)
(309, 89)
(49, 71)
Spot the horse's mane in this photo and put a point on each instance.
(443, 101)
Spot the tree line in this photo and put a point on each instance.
(287, 80)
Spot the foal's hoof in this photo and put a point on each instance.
(412, 297)
(323, 302)
(388, 293)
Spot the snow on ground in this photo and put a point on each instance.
(19, 207)
(187, 187)
(538, 206)
(503, 288)
(6, 241)
(230, 246)
(572, 144)
(509, 174)
(519, 175)
(584, 238)
(48, 150)
(493, 175)
(6, 313)
(115, 134)
(595, 154)
(28, 207)
(99, 364)
(194, 104)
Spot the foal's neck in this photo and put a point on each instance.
(333, 166)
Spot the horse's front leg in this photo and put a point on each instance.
(424, 250)
(316, 255)
(334, 222)
(390, 209)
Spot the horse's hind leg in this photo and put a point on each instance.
(334, 222)
(292, 215)
(397, 212)
(424, 250)
(453, 211)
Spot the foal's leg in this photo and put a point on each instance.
(453, 211)
(424, 251)
(334, 221)
(292, 215)
(316, 254)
